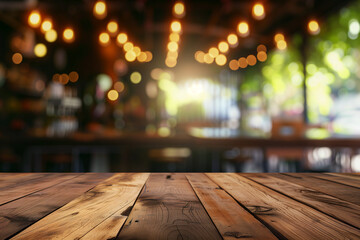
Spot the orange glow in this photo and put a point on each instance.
(258, 11)
(179, 9)
(172, 54)
(243, 29)
(223, 47)
(112, 95)
(122, 38)
(199, 56)
(17, 58)
(137, 50)
(279, 37)
(46, 25)
(99, 10)
(40, 50)
(208, 58)
(130, 56)
(281, 44)
(221, 60)
(73, 76)
(234, 65)
(170, 62)
(68, 35)
(128, 46)
(242, 62)
(104, 38)
(149, 56)
(251, 60)
(119, 86)
(232, 40)
(112, 27)
(261, 48)
(51, 35)
(313, 27)
(176, 26)
(141, 57)
(174, 37)
(64, 78)
(172, 46)
(214, 52)
(34, 19)
(262, 56)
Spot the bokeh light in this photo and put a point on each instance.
(113, 95)
(232, 40)
(172, 46)
(220, 60)
(34, 19)
(99, 10)
(251, 60)
(40, 50)
(174, 37)
(122, 38)
(135, 77)
(258, 11)
(119, 86)
(69, 35)
(262, 56)
(17, 58)
(130, 56)
(234, 65)
(176, 26)
(242, 62)
(243, 29)
(179, 9)
(281, 44)
(261, 48)
(46, 25)
(279, 37)
(104, 39)
(73, 76)
(128, 46)
(199, 56)
(51, 35)
(313, 27)
(112, 27)
(223, 47)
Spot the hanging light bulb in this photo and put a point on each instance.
(179, 9)
(112, 27)
(46, 25)
(68, 35)
(258, 11)
(34, 19)
(100, 9)
(243, 29)
(313, 27)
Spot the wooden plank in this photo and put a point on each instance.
(82, 215)
(337, 208)
(349, 181)
(18, 189)
(13, 179)
(19, 214)
(337, 190)
(232, 220)
(287, 217)
(168, 208)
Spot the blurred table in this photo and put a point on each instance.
(179, 206)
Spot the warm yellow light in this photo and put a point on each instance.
(137, 50)
(119, 86)
(234, 65)
(172, 54)
(199, 56)
(104, 38)
(141, 57)
(174, 37)
(179, 9)
(46, 25)
(242, 62)
(258, 11)
(281, 44)
(262, 56)
(135, 77)
(313, 27)
(213, 52)
(112, 27)
(34, 19)
(51, 35)
(232, 40)
(220, 60)
(56, 77)
(73, 76)
(40, 50)
(208, 58)
(68, 35)
(149, 56)
(17, 58)
(122, 38)
(100, 10)
(279, 37)
(243, 29)
(223, 47)
(172, 46)
(113, 95)
(128, 47)
(130, 56)
(261, 48)
(251, 60)
(164, 132)
(170, 62)
(176, 26)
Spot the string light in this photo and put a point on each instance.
(258, 11)
(176, 26)
(122, 38)
(99, 10)
(243, 29)
(313, 27)
(34, 19)
(174, 37)
(281, 44)
(262, 56)
(104, 39)
(73, 76)
(223, 47)
(179, 10)
(199, 56)
(172, 46)
(278, 37)
(232, 40)
(40, 50)
(46, 25)
(51, 35)
(242, 62)
(112, 27)
(214, 52)
(68, 35)
(234, 65)
(251, 60)
(17, 58)
(261, 48)
(220, 60)
(113, 95)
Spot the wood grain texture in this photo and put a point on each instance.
(19, 214)
(288, 217)
(338, 190)
(168, 209)
(24, 186)
(85, 213)
(232, 220)
(350, 180)
(337, 208)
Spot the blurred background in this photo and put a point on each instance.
(205, 85)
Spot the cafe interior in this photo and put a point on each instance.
(179, 86)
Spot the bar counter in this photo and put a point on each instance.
(179, 206)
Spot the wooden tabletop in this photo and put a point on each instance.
(179, 206)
